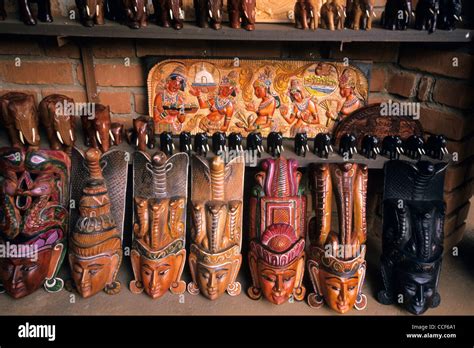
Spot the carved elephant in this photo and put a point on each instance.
(98, 129)
(427, 15)
(113, 10)
(136, 13)
(347, 145)
(301, 144)
(392, 146)
(166, 143)
(209, 13)
(142, 135)
(19, 116)
(169, 13)
(3, 13)
(185, 144)
(449, 12)
(255, 142)
(91, 12)
(333, 15)
(275, 143)
(359, 14)
(26, 13)
(58, 121)
(235, 142)
(201, 145)
(436, 146)
(322, 145)
(242, 13)
(369, 146)
(302, 14)
(218, 142)
(414, 147)
(397, 14)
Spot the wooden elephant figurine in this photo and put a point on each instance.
(169, 13)
(91, 12)
(98, 129)
(44, 11)
(302, 14)
(427, 15)
(449, 13)
(19, 116)
(242, 14)
(333, 15)
(58, 122)
(3, 13)
(142, 135)
(397, 14)
(136, 13)
(209, 13)
(359, 14)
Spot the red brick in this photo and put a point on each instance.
(464, 149)
(366, 51)
(451, 124)
(456, 175)
(119, 101)
(69, 50)
(458, 197)
(79, 96)
(20, 47)
(113, 48)
(377, 79)
(402, 83)
(116, 75)
(36, 72)
(453, 239)
(437, 61)
(463, 212)
(453, 93)
(141, 104)
(425, 87)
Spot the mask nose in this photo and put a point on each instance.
(211, 283)
(420, 297)
(278, 288)
(17, 275)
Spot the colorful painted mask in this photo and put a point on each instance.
(412, 243)
(216, 198)
(158, 254)
(277, 233)
(336, 262)
(95, 242)
(34, 196)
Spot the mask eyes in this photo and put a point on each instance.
(162, 273)
(37, 159)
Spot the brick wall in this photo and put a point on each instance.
(405, 72)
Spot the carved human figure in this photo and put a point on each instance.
(95, 243)
(33, 218)
(277, 233)
(412, 240)
(303, 110)
(336, 262)
(216, 199)
(158, 255)
(347, 87)
(221, 106)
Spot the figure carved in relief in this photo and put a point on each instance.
(277, 233)
(216, 199)
(221, 106)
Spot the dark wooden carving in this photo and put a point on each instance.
(242, 14)
(91, 12)
(427, 15)
(333, 15)
(360, 14)
(136, 13)
(169, 13)
(397, 14)
(209, 13)
(449, 13)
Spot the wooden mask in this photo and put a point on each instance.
(336, 262)
(34, 197)
(95, 243)
(277, 232)
(412, 241)
(216, 199)
(159, 232)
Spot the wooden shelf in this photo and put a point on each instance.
(264, 32)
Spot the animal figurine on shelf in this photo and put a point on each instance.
(142, 135)
(369, 146)
(242, 14)
(58, 121)
(277, 232)
(3, 13)
(301, 144)
(209, 13)
(235, 142)
(414, 147)
(359, 14)
(19, 116)
(97, 130)
(166, 143)
(436, 147)
(427, 15)
(201, 145)
(255, 143)
(336, 263)
(347, 145)
(185, 142)
(34, 200)
(136, 13)
(412, 237)
(275, 144)
(44, 11)
(302, 14)
(91, 12)
(158, 249)
(449, 13)
(219, 143)
(397, 14)
(322, 145)
(333, 15)
(216, 201)
(169, 13)
(392, 145)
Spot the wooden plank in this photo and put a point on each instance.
(263, 32)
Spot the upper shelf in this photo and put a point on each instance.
(263, 32)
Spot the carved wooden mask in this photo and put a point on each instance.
(277, 233)
(216, 198)
(336, 262)
(33, 219)
(158, 254)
